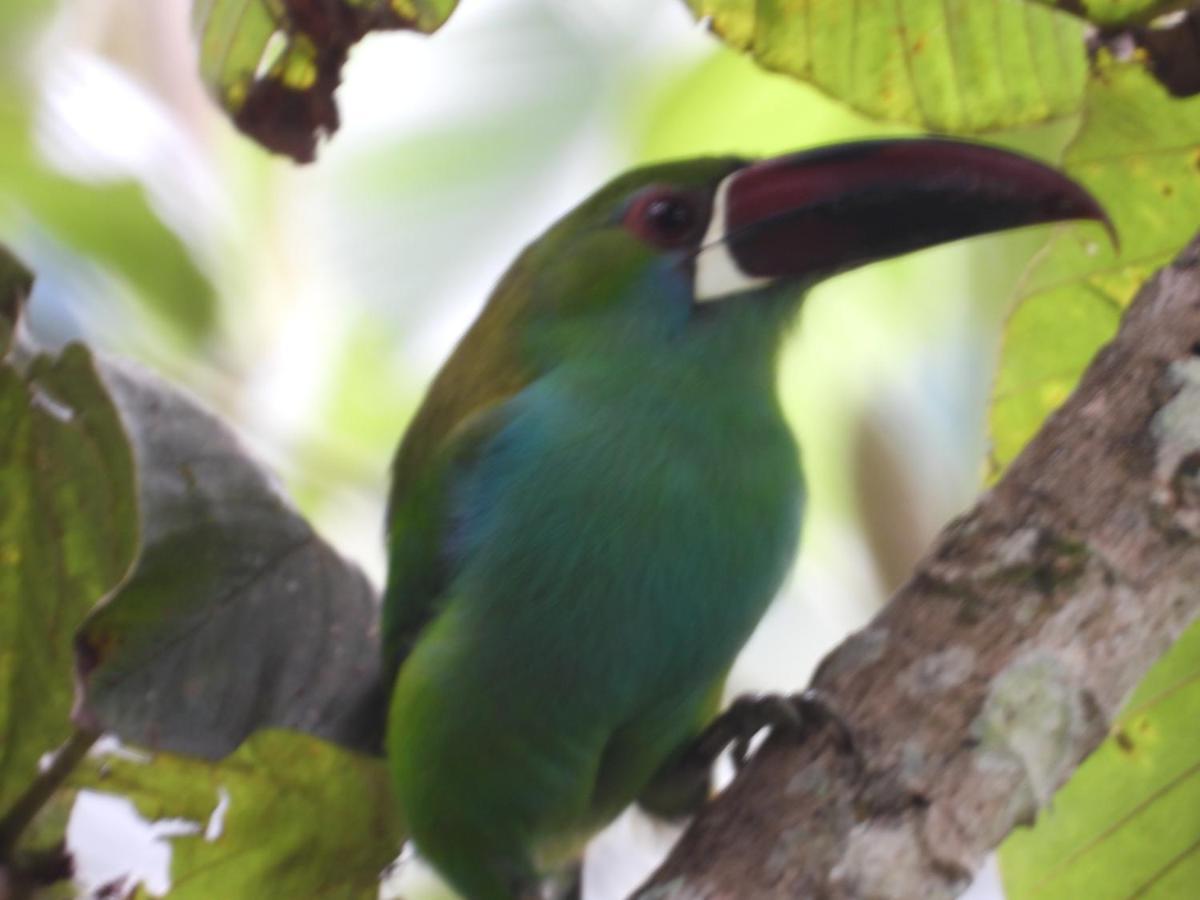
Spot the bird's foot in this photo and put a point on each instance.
(797, 714)
(682, 786)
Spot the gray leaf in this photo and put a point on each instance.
(235, 616)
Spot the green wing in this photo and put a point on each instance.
(459, 413)
(418, 568)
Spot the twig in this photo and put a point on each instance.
(41, 789)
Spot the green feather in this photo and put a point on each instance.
(590, 513)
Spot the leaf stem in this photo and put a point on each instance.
(42, 788)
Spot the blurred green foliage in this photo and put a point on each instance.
(1127, 824)
(112, 225)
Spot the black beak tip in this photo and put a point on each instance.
(1080, 204)
(1101, 215)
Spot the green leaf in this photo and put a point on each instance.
(275, 64)
(1117, 12)
(962, 67)
(1127, 824)
(236, 616)
(304, 819)
(67, 531)
(1138, 151)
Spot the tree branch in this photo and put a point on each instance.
(998, 667)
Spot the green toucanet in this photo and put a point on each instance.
(599, 496)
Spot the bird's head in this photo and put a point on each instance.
(678, 247)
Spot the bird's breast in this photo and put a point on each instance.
(645, 530)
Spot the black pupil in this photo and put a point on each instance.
(669, 216)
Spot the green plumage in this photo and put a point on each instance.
(599, 496)
(590, 513)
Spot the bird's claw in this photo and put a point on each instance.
(754, 713)
(794, 714)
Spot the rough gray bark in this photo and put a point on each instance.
(998, 667)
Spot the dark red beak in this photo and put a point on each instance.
(819, 212)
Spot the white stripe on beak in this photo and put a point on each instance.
(717, 272)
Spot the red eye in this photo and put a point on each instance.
(665, 218)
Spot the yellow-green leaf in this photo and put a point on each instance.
(300, 818)
(946, 65)
(1138, 151)
(67, 534)
(1128, 822)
